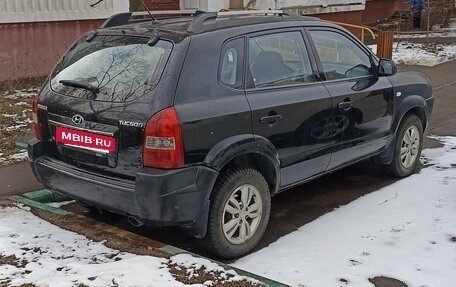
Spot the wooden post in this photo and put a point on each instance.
(385, 44)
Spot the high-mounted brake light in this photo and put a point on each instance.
(36, 123)
(163, 145)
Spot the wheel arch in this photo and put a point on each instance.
(411, 105)
(247, 151)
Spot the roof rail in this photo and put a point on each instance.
(207, 20)
(202, 21)
(125, 18)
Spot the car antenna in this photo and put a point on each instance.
(148, 11)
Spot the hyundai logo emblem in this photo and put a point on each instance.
(77, 119)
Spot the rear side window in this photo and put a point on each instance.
(231, 64)
(122, 68)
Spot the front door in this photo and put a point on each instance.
(289, 106)
(362, 102)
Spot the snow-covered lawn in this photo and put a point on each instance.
(420, 54)
(36, 252)
(406, 231)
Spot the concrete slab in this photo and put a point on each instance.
(17, 178)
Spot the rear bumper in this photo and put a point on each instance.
(177, 197)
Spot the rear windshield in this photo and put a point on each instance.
(121, 68)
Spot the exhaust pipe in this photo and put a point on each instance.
(83, 204)
(88, 206)
(135, 221)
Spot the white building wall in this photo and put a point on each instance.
(22, 11)
(277, 4)
(309, 6)
(204, 5)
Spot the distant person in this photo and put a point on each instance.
(417, 9)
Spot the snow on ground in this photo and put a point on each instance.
(22, 155)
(60, 203)
(15, 157)
(22, 94)
(446, 33)
(47, 255)
(406, 231)
(419, 54)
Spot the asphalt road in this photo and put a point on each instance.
(300, 205)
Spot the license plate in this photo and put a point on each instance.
(84, 139)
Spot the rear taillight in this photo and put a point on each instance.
(163, 145)
(36, 123)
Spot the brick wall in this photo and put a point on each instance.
(32, 49)
(154, 5)
(380, 10)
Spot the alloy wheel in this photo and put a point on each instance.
(242, 214)
(409, 147)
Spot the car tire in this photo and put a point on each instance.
(407, 149)
(239, 212)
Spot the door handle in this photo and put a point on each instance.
(272, 119)
(345, 105)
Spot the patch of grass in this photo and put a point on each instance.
(13, 261)
(201, 275)
(15, 122)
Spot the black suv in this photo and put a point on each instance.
(198, 121)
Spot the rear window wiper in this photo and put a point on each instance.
(81, 85)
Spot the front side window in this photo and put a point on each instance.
(120, 68)
(279, 59)
(340, 57)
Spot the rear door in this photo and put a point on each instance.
(99, 99)
(362, 102)
(290, 107)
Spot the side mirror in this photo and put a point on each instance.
(386, 67)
